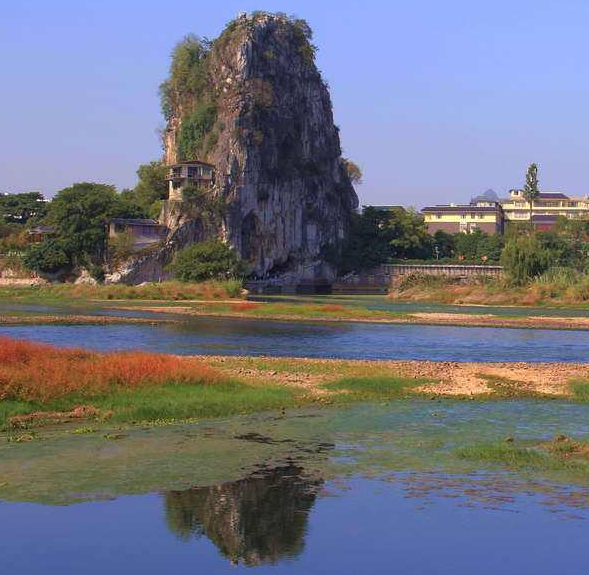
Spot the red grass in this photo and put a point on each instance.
(244, 306)
(36, 371)
(331, 307)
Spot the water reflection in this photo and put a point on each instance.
(256, 520)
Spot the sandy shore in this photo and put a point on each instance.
(448, 378)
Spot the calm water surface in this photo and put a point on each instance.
(301, 513)
(351, 341)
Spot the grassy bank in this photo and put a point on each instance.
(562, 454)
(165, 291)
(547, 290)
(42, 385)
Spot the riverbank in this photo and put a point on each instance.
(42, 385)
(164, 291)
(491, 292)
(70, 319)
(277, 311)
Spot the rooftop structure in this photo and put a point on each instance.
(464, 218)
(517, 209)
(145, 232)
(196, 174)
(491, 214)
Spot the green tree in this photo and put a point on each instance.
(19, 208)
(151, 188)
(408, 235)
(524, 258)
(208, 260)
(530, 189)
(445, 244)
(79, 215)
(377, 236)
(50, 256)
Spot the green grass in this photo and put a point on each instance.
(172, 401)
(580, 390)
(165, 291)
(521, 457)
(375, 388)
(306, 311)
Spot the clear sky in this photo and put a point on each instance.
(436, 100)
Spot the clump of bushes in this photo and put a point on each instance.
(209, 260)
(524, 258)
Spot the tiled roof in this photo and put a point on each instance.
(191, 163)
(552, 196)
(460, 209)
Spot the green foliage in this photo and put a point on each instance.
(377, 236)
(79, 215)
(479, 246)
(530, 189)
(151, 188)
(188, 73)
(207, 260)
(13, 238)
(121, 246)
(445, 244)
(80, 212)
(195, 129)
(524, 258)
(374, 388)
(19, 208)
(49, 256)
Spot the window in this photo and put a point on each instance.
(462, 216)
(481, 216)
(439, 216)
(192, 172)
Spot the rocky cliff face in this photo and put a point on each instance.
(253, 104)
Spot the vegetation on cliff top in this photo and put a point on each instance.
(189, 93)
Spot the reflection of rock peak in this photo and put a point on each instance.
(254, 520)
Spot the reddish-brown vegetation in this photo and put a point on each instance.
(331, 308)
(245, 306)
(32, 371)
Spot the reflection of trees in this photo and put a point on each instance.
(255, 520)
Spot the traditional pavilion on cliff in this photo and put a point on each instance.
(194, 174)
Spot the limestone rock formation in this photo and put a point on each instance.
(254, 104)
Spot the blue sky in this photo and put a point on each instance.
(436, 101)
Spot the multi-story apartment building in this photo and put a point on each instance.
(491, 214)
(483, 213)
(546, 208)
